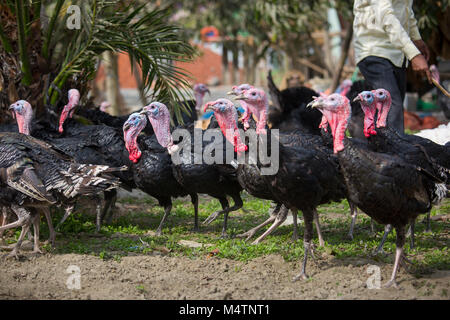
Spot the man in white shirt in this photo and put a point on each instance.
(385, 38)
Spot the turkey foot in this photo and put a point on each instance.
(399, 256)
(390, 283)
(302, 275)
(36, 224)
(319, 232)
(281, 217)
(427, 220)
(13, 254)
(354, 213)
(212, 217)
(67, 212)
(387, 230)
(250, 233)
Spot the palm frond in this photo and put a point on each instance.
(150, 41)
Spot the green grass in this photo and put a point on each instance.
(138, 218)
(409, 131)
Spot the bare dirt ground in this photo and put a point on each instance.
(163, 277)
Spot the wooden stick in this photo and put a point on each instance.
(437, 84)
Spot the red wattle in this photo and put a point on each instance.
(62, 119)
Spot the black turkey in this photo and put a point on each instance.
(289, 111)
(306, 177)
(89, 144)
(384, 186)
(193, 173)
(386, 140)
(153, 168)
(35, 175)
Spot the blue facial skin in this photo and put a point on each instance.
(134, 120)
(155, 111)
(18, 107)
(367, 96)
(381, 95)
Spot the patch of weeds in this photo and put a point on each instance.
(104, 255)
(47, 247)
(141, 288)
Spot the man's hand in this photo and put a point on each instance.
(423, 48)
(420, 65)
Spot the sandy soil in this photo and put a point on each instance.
(157, 276)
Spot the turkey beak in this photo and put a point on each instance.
(209, 92)
(11, 108)
(126, 126)
(231, 93)
(240, 97)
(357, 99)
(313, 104)
(207, 107)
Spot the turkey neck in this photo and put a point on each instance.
(338, 123)
(227, 121)
(68, 109)
(131, 144)
(25, 125)
(262, 110)
(198, 100)
(383, 111)
(369, 120)
(161, 127)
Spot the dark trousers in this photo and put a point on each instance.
(381, 73)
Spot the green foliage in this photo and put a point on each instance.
(427, 13)
(21, 34)
(146, 36)
(70, 56)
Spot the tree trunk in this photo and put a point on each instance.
(252, 69)
(235, 66)
(261, 72)
(112, 82)
(252, 64)
(327, 49)
(224, 64)
(246, 53)
(21, 74)
(318, 53)
(344, 55)
(293, 47)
